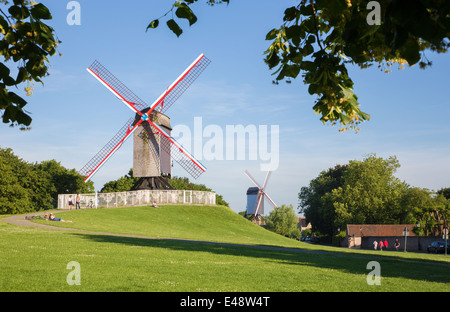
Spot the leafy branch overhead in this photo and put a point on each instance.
(319, 38)
(25, 44)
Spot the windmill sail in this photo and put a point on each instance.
(109, 149)
(179, 153)
(116, 87)
(143, 111)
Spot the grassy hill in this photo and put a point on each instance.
(140, 257)
(204, 223)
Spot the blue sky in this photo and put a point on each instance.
(74, 115)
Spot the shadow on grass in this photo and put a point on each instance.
(396, 267)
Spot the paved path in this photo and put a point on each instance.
(21, 221)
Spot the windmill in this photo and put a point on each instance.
(153, 146)
(255, 197)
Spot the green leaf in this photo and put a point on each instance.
(411, 51)
(9, 81)
(16, 99)
(290, 14)
(272, 59)
(312, 89)
(19, 12)
(40, 11)
(23, 118)
(185, 12)
(20, 75)
(272, 34)
(307, 49)
(173, 26)
(153, 24)
(295, 33)
(306, 10)
(4, 71)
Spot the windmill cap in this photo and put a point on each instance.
(252, 190)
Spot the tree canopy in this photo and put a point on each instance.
(26, 42)
(28, 187)
(282, 220)
(367, 192)
(318, 39)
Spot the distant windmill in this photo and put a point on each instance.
(255, 200)
(153, 146)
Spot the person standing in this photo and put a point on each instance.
(78, 200)
(397, 244)
(381, 245)
(70, 202)
(375, 245)
(385, 244)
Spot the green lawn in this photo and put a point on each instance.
(33, 259)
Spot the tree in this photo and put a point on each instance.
(65, 181)
(361, 192)
(316, 205)
(282, 220)
(26, 187)
(444, 192)
(25, 43)
(123, 184)
(319, 38)
(370, 194)
(23, 188)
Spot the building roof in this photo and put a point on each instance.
(302, 222)
(379, 229)
(253, 190)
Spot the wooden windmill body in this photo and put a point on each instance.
(150, 161)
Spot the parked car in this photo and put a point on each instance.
(437, 247)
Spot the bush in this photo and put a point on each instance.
(282, 220)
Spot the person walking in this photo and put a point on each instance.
(397, 244)
(375, 245)
(381, 245)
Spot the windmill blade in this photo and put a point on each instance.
(117, 87)
(251, 178)
(265, 181)
(108, 150)
(270, 199)
(178, 153)
(177, 88)
(260, 196)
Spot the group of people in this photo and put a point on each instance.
(78, 201)
(385, 244)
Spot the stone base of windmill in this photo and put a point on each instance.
(258, 220)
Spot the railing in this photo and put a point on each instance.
(138, 198)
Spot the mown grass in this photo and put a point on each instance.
(33, 259)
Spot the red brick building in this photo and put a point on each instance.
(363, 235)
